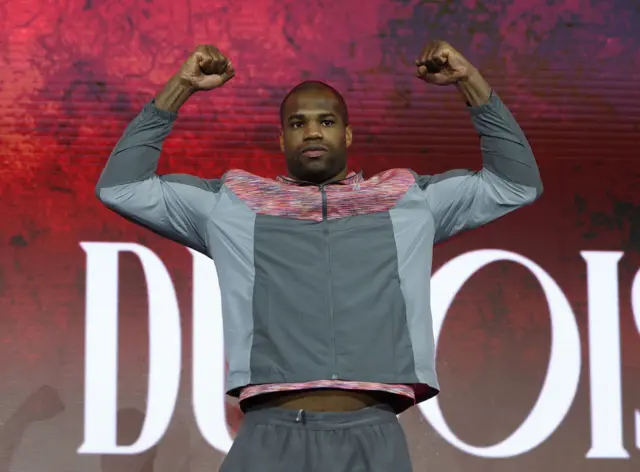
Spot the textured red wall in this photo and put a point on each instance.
(74, 74)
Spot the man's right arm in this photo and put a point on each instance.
(175, 206)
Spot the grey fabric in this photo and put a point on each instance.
(178, 211)
(304, 323)
(176, 206)
(135, 156)
(369, 312)
(505, 149)
(278, 440)
(231, 245)
(461, 200)
(292, 333)
(413, 227)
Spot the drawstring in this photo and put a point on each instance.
(300, 416)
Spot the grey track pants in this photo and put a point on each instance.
(280, 440)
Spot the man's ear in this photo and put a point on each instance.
(282, 140)
(349, 135)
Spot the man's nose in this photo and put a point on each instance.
(312, 132)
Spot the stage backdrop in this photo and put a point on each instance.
(537, 315)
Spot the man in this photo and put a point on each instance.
(324, 275)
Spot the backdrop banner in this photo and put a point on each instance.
(111, 345)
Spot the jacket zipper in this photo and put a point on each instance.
(325, 222)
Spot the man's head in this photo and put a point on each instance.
(315, 132)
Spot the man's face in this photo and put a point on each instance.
(314, 136)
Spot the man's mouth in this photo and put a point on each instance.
(314, 151)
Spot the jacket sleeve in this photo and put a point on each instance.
(175, 206)
(509, 179)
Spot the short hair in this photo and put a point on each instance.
(313, 85)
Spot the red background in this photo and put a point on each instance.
(76, 72)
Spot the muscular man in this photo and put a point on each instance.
(324, 273)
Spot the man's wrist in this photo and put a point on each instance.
(174, 94)
(474, 89)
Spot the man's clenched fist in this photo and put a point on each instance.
(441, 64)
(207, 68)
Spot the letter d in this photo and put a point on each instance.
(101, 349)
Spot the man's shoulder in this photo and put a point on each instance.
(391, 176)
(239, 178)
(241, 174)
(247, 185)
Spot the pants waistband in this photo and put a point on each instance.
(321, 420)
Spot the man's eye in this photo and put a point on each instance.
(296, 125)
(328, 122)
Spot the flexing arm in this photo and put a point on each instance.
(509, 178)
(175, 206)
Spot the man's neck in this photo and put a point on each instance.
(336, 178)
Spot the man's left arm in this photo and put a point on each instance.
(509, 178)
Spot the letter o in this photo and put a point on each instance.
(561, 382)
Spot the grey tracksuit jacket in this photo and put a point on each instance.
(323, 282)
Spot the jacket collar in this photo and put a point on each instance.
(351, 178)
